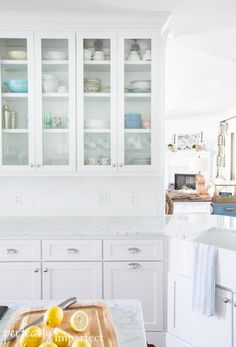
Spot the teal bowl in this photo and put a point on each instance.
(17, 86)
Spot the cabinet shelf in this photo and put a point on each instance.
(14, 62)
(55, 95)
(137, 95)
(53, 131)
(138, 131)
(97, 95)
(55, 62)
(137, 66)
(98, 66)
(92, 131)
(97, 62)
(15, 95)
(15, 131)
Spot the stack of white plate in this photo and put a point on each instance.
(96, 124)
(92, 85)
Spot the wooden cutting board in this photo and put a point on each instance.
(100, 323)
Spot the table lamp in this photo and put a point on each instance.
(200, 165)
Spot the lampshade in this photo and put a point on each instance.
(198, 164)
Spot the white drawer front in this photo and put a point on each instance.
(20, 250)
(72, 250)
(133, 249)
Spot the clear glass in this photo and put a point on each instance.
(97, 103)
(14, 78)
(137, 102)
(15, 149)
(55, 101)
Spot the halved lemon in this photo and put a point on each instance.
(61, 338)
(31, 337)
(79, 321)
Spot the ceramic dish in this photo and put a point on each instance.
(55, 55)
(141, 84)
(17, 86)
(17, 55)
(96, 123)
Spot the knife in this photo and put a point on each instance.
(63, 305)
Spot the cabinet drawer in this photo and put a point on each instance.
(72, 250)
(224, 209)
(133, 250)
(20, 250)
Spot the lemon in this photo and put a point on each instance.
(53, 316)
(61, 337)
(81, 343)
(48, 344)
(79, 321)
(31, 337)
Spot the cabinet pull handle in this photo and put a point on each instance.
(36, 270)
(11, 251)
(134, 250)
(45, 269)
(134, 266)
(120, 165)
(32, 165)
(38, 165)
(114, 165)
(72, 250)
(226, 300)
(229, 209)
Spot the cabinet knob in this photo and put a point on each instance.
(134, 266)
(32, 165)
(11, 251)
(36, 270)
(226, 300)
(38, 165)
(45, 270)
(120, 165)
(234, 304)
(72, 250)
(114, 165)
(134, 250)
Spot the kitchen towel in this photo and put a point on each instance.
(204, 279)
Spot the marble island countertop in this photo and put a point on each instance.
(126, 314)
(178, 226)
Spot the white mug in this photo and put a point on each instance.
(99, 55)
(87, 54)
(134, 56)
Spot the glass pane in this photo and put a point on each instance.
(14, 74)
(97, 149)
(56, 149)
(137, 149)
(137, 103)
(97, 103)
(15, 149)
(55, 101)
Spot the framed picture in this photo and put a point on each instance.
(185, 142)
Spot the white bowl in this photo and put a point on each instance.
(47, 77)
(17, 55)
(96, 123)
(141, 84)
(55, 55)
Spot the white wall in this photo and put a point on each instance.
(61, 196)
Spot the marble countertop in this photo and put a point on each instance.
(182, 226)
(126, 314)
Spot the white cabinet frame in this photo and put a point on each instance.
(99, 34)
(29, 36)
(70, 36)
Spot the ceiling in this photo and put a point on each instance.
(201, 56)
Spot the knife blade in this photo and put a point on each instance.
(63, 305)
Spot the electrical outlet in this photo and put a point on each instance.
(19, 199)
(133, 199)
(104, 199)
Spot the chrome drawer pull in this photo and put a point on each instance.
(226, 300)
(134, 250)
(72, 250)
(45, 269)
(11, 251)
(36, 270)
(134, 266)
(229, 209)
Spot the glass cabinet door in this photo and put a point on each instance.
(97, 102)
(55, 88)
(17, 143)
(138, 99)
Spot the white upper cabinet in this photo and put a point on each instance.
(16, 102)
(55, 101)
(138, 97)
(97, 108)
(97, 98)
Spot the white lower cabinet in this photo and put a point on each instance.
(172, 341)
(20, 281)
(192, 327)
(65, 279)
(142, 281)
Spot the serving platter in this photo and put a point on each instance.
(100, 331)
